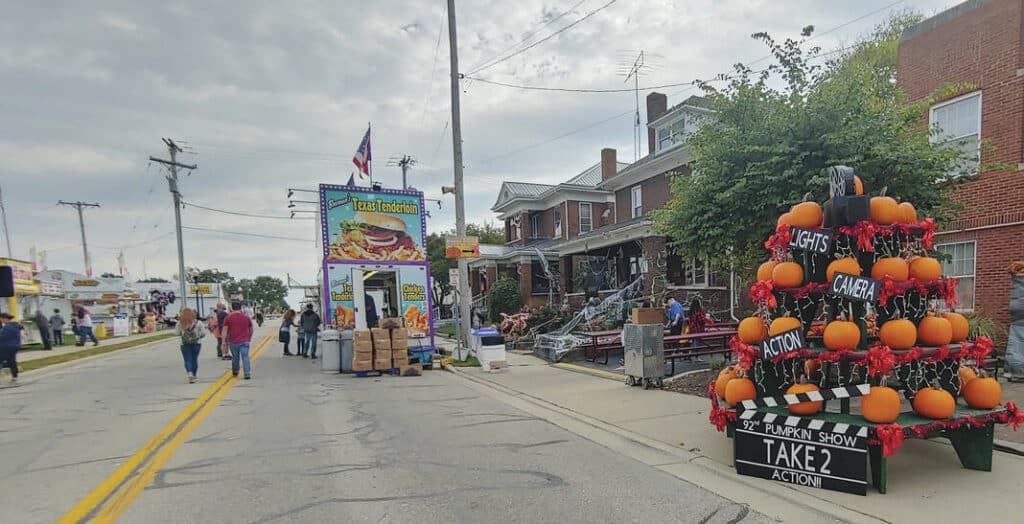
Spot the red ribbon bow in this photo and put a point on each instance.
(890, 436)
(761, 291)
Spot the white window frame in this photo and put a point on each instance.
(934, 138)
(973, 276)
(692, 265)
(590, 217)
(535, 225)
(556, 217)
(636, 198)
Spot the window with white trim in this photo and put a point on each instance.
(636, 197)
(695, 273)
(957, 124)
(586, 218)
(558, 222)
(959, 263)
(535, 225)
(676, 131)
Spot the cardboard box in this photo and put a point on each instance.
(362, 365)
(399, 339)
(382, 365)
(648, 315)
(382, 354)
(381, 333)
(362, 335)
(381, 344)
(362, 355)
(361, 346)
(399, 361)
(392, 323)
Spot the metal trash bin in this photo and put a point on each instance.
(330, 351)
(346, 351)
(644, 346)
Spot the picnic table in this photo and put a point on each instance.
(601, 342)
(692, 345)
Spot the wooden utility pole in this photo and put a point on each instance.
(465, 297)
(172, 183)
(81, 225)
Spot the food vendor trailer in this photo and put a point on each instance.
(375, 262)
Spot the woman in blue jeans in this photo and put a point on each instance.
(191, 333)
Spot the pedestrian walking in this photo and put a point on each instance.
(675, 316)
(259, 318)
(10, 343)
(236, 331)
(43, 325)
(222, 313)
(191, 331)
(285, 334)
(300, 341)
(57, 328)
(1014, 367)
(85, 327)
(310, 323)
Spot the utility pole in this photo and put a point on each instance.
(7, 232)
(81, 225)
(465, 298)
(172, 184)
(406, 163)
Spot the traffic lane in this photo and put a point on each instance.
(295, 445)
(63, 432)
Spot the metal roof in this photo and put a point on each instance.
(592, 176)
(526, 189)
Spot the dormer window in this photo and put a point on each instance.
(676, 131)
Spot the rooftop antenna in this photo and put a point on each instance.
(634, 73)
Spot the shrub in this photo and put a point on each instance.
(504, 298)
(546, 318)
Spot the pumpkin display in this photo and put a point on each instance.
(925, 269)
(858, 185)
(846, 265)
(884, 210)
(723, 379)
(842, 334)
(961, 327)
(983, 392)
(785, 218)
(804, 408)
(966, 374)
(881, 405)
(934, 331)
(806, 214)
(787, 274)
(752, 330)
(907, 213)
(764, 271)
(934, 402)
(783, 324)
(895, 267)
(898, 334)
(739, 389)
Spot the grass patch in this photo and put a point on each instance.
(97, 350)
(470, 362)
(447, 330)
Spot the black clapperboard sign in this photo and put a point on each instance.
(812, 240)
(840, 181)
(855, 287)
(802, 451)
(784, 342)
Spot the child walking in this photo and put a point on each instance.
(191, 332)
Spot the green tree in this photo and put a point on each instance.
(767, 146)
(153, 280)
(110, 275)
(504, 298)
(265, 290)
(488, 232)
(207, 276)
(439, 266)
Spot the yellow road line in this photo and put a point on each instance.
(169, 438)
(592, 371)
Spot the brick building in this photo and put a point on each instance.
(977, 43)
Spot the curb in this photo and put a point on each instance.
(805, 501)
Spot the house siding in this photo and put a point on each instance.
(654, 192)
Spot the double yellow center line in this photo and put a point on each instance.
(113, 496)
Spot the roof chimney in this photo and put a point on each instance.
(657, 105)
(609, 165)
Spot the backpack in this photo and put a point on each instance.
(190, 336)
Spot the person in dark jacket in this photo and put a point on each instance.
(43, 325)
(309, 322)
(57, 328)
(10, 343)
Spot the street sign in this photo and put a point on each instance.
(453, 278)
(461, 247)
(802, 451)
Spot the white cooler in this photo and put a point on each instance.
(489, 346)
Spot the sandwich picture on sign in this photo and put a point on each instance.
(374, 236)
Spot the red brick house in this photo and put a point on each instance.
(980, 43)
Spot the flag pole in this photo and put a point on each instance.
(369, 153)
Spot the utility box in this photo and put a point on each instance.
(644, 346)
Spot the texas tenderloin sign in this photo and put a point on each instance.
(855, 287)
(802, 451)
(813, 240)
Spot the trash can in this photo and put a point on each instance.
(330, 351)
(346, 351)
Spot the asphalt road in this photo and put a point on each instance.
(295, 445)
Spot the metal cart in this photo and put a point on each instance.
(644, 346)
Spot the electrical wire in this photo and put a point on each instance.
(237, 213)
(572, 90)
(433, 69)
(244, 234)
(528, 35)
(137, 244)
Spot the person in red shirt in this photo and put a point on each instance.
(236, 331)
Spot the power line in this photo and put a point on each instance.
(144, 242)
(244, 234)
(574, 90)
(542, 40)
(433, 69)
(238, 213)
(529, 35)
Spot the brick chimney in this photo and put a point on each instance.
(609, 165)
(657, 105)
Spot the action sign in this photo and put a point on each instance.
(813, 240)
(855, 287)
(462, 247)
(802, 451)
(784, 342)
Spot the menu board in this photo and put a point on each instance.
(360, 224)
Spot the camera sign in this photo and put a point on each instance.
(855, 287)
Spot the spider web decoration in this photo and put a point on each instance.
(558, 343)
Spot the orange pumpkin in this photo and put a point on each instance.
(884, 210)
(764, 271)
(983, 392)
(787, 274)
(893, 266)
(858, 185)
(752, 330)
(841, 334)
(934, 402)
(881, 405)
(785, 218)
(961, 327)
(907, 213)
(846, 265)
(966, 374)
(723, 379)
(934, 331)
(783, 324)
(804, 408)
(898, 334)
(806, 214)
(925, 269)
(812, 368)
(739, 389)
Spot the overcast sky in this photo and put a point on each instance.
(269, 95)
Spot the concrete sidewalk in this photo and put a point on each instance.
(26, 356)
(925, 477)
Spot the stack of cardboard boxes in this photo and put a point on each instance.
(380, 349)
(362, 350)
(399, 347)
